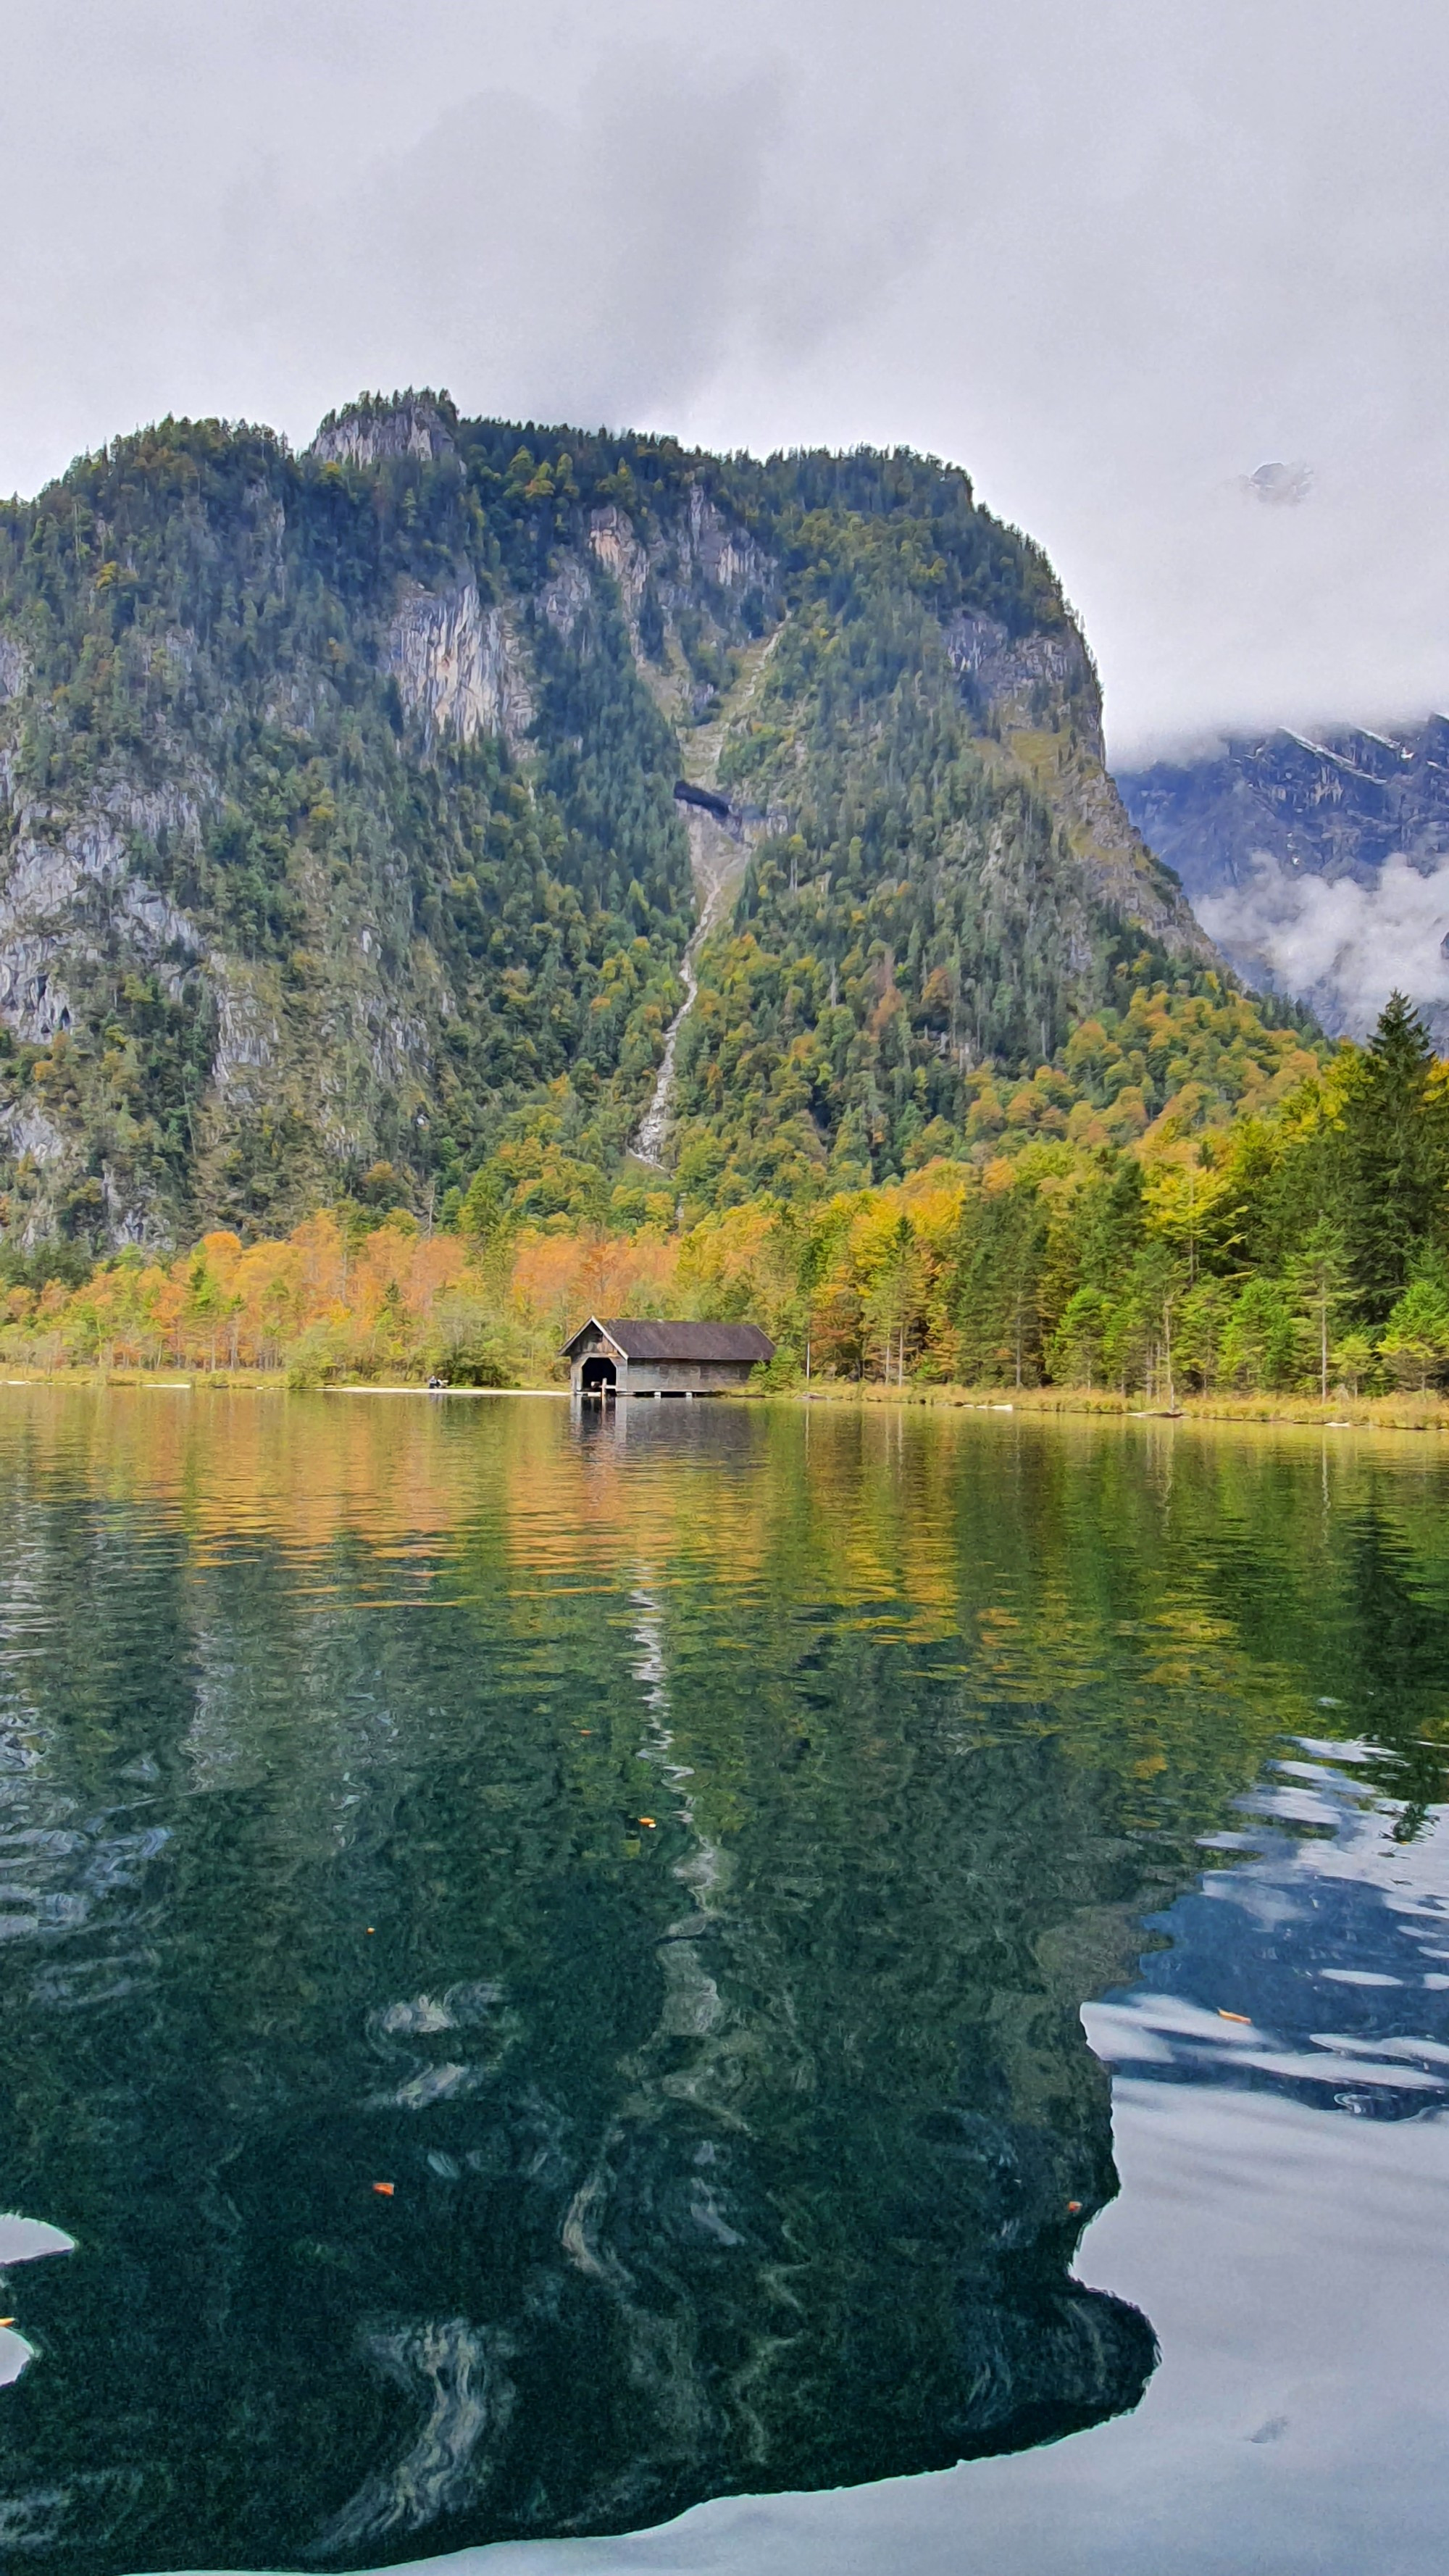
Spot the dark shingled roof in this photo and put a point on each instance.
(653, 1341)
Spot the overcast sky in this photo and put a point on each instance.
(1112, 259)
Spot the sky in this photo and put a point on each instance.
(1111, 259)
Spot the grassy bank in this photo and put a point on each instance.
(1427, 1412)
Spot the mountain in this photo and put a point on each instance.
(1320, 865)
(369, 816)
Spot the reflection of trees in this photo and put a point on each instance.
(814, 2221)
(736, 2152)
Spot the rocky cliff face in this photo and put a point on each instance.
(376, 432)
(338, 844)
(1041, 695)
(1339, 804)
(459, 667)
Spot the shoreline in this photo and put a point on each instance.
(1404, 1412)
(1428, 1412)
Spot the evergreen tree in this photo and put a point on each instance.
(1396, 1160)
(1317, 1286)
(1075, 1353)
(1258, 1340)
(998, 1320)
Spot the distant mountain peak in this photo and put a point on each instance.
(1319, 862)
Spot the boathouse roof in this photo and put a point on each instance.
(744, 1343)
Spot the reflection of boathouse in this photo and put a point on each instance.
(625, 1358)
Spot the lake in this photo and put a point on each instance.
(875, 1980)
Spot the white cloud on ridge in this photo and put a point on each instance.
(1340, 946)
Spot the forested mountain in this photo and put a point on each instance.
(340, 856)
(469, 871)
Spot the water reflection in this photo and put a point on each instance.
(22, 2240)
(1315, 1965)
(674, 1863)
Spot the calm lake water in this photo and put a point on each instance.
(855, 1943)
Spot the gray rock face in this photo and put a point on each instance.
(1021, 677)
(365, 438)
(566, 594)
(1046, 685)
(702, 558)
(1339, 805)
(726, 556)
(69, 900)
(246, 1039)
(1320, 864)
(613, 544)
(458, 666)
(30, 1135)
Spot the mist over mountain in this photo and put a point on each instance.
(340, 848)
(1319, 864)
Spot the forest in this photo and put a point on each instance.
(267, 923)
(1298, 1246)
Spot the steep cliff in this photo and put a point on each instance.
(338, 841)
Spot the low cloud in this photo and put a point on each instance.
(1338, 945)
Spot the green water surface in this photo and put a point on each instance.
(671, 1851)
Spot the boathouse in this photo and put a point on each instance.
(625, 1358)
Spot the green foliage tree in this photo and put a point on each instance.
(1353, 1361)
(1258, 1345)
(1414, 1344)
(892, 1312)
(1316, 1280)
(1395, 1160)
(1076, 1352)
(1201, 1325)
(997, 1313)
(1138, 1348)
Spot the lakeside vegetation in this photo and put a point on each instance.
(1296, 1253)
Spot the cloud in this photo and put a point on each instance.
(537, 260)
(1106, 259)
(1339, 945)
(1280, 486)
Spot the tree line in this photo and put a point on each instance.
(1302, 1247)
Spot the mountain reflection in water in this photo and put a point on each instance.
(674, 1856)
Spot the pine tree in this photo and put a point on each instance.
(1396, 1160)
(1317, 1287)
